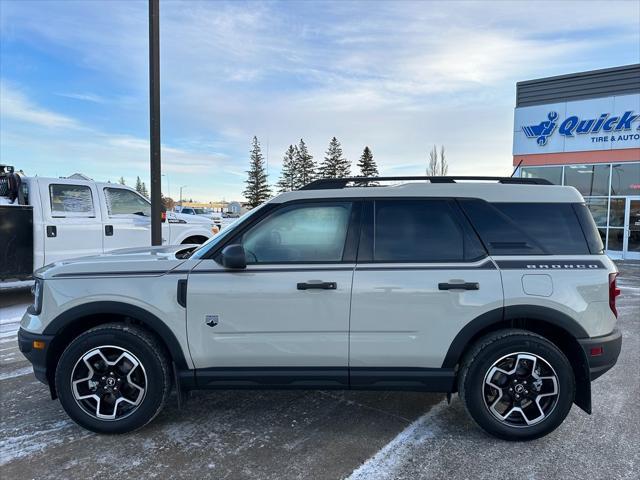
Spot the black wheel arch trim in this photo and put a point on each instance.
(148, 320)
(509, 313)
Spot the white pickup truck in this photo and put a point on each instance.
(45, 220)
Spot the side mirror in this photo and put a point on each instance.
(233, 256)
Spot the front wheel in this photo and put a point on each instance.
(517, 385)
(113, 378)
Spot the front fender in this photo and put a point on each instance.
(67, 319)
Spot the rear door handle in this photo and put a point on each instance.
(52, 231)
(459, 286)
(108, 230)
(317, 285)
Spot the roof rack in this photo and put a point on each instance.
(338, 183)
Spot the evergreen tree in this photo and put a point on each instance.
(288, 177)
(121, 181)
(306, 167)
(334, 164)
(138, 185)
(257, 190)
(367, 165)
(144, 191)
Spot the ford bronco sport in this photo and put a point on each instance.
(495, 288)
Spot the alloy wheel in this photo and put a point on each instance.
(109, 382)
(521, 389)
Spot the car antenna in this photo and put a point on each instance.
(517, 166)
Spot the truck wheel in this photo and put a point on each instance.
(516, 385)
(113, 378)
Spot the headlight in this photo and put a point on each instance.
(37, 297)
(215, 229)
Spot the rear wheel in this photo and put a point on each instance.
(113, 378)
(517, 385)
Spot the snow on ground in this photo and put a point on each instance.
(10, 320)
(11, 360)
(385, 463)
(22, 445)
(16, 373)
(15, 284)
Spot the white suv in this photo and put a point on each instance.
(495, 288)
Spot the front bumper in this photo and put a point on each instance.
(37, 356)
(602, 352)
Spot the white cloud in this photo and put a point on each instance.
(87, 97)
(15, 105)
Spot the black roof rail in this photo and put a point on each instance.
(338, 183)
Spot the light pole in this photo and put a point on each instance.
(181, 187)
(154, 122)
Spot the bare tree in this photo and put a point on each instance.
(437, 167)
(444, 166)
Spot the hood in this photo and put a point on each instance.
(190, 218)
(153, 261)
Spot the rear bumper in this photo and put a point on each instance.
(37, 357)
(602, 352)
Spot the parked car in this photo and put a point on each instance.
(46, 220)
(498, 290)
(202, 212)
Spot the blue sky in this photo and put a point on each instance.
(397, 76)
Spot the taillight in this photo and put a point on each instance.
(164, 216)
(614, 291)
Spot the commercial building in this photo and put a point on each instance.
(583, 130)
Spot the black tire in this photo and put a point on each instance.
(155, 377)
(476, 396)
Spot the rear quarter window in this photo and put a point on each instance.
(528, 228)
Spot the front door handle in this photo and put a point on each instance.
(459, 286)
(317, 285)
(108, 230)
(52, 231)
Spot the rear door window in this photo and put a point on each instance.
(71, 201)
(422, 231)
(125, 202)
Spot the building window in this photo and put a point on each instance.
(616, 212)
(553, 174)
(588, 179)
(598, 208)
(625, 179)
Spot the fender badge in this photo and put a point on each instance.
(211, 320)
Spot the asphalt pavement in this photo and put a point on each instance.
(318, 434)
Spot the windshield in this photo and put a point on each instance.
(199, 211)
(202, 250)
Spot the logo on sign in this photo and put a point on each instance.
(574, 125)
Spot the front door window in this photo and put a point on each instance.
(300, 234)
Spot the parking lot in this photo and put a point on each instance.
(318, 434)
